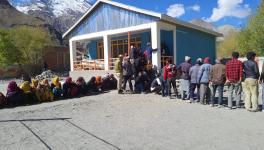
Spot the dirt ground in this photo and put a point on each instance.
(129, 122)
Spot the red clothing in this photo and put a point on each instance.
(234, 70)
(170, 71)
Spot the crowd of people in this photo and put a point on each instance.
(200, 82)
(32, 91)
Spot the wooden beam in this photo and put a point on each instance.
(129, 42)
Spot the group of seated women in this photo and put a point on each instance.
(32, 92)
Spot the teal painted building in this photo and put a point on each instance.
(108, 28)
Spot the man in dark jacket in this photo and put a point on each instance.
(127, 74)
(185, 78)
(133, 53)
(217, 80)
(251, 71)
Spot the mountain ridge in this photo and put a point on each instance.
(61, 14)
(10, 17)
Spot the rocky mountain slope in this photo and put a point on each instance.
(10, 17)
(61, 14)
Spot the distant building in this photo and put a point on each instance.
(57, 58)
(108, 28)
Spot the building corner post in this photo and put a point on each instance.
(155, 41)
(107, 51)
(72, 54)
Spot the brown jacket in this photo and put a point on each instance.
(217, 74)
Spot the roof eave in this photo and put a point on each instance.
(132, 8)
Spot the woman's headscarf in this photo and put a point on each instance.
(12, 87)
(92, 80)
(68, 80)
(56, 82)
(34, 83)
(98, 79)
(25, 86)
(80, 81)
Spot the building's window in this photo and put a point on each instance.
(121, 46)
(117, 47)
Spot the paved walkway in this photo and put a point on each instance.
(129, 122)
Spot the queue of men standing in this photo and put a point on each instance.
(200, 82)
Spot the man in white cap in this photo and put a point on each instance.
(185, 78)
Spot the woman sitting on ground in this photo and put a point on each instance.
(15, 95)
(30, 96)
(70, 89)
(2, 100)
(43, 92)
(113, 82)
(38, 90)
(156, 85)
(56, 87)
(142, 83)
(48, 93)
(34, 85)
(106, 82)
(82, 87)
(91, 85)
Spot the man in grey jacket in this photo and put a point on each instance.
(203, 78)
(194, 80)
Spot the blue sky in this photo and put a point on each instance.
(218, 12)
(234, 12)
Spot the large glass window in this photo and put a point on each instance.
(118, 47)
(121, 46)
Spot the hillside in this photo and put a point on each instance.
(10, 17)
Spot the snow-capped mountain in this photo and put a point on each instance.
(59, 13)
(226, 30)
(11, 17)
